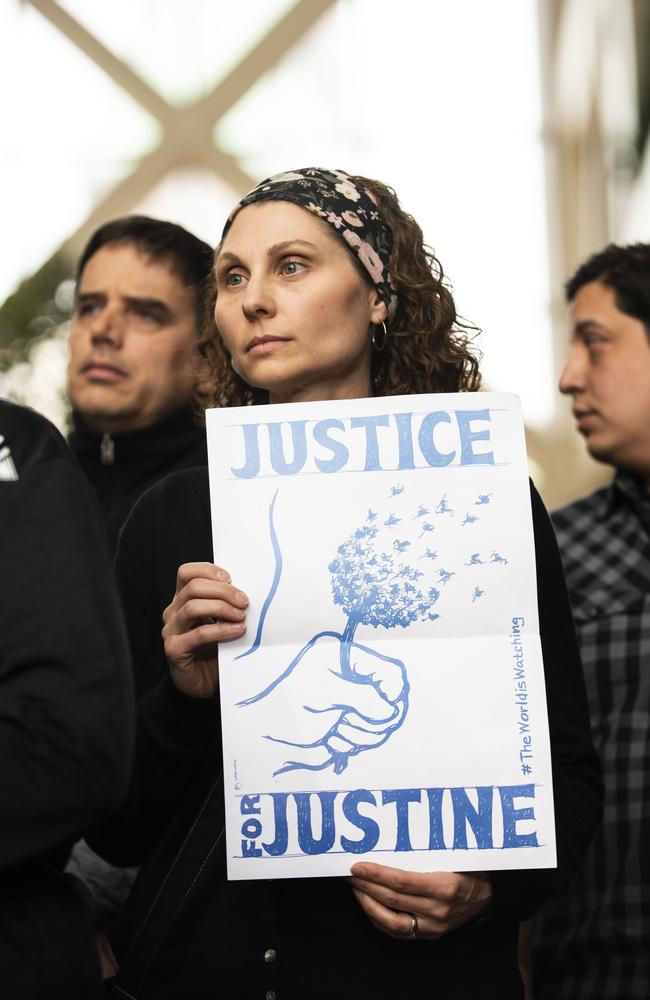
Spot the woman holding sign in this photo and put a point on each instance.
(323, 291)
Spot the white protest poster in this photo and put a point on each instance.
(387, 700)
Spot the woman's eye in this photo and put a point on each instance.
(292, 267)
(233, 280)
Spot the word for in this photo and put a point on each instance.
(388, 441)
(309, 820)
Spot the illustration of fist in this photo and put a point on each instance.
(335, 700)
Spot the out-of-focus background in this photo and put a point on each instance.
(515, 132)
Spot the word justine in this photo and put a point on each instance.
(356, 822)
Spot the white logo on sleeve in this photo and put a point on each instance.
(7, 468)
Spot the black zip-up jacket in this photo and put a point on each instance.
(120, 467)
(66, 708)
(188, 932)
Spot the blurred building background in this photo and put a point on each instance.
(515, 131)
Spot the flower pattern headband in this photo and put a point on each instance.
(350, 210)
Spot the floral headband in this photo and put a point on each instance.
(351, 211)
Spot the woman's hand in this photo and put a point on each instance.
(415, 904)
(205, 611)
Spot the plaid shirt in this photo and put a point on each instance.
(595, 943)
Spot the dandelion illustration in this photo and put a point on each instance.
(475, 560)
(482, 499)
(477, 593)
(442, 506)
(396, 490)
(469, 519)
(376, 584)
(496, 558)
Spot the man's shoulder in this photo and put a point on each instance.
(581, 515)
(182, 499)
(26, 439)
(179, 487)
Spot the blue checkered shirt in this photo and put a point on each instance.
(595, 943)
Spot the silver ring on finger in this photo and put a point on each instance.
(413, 930)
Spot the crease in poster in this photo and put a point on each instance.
(387, 700)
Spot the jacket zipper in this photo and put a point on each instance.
(107, 450)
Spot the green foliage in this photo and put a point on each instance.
(31, 311)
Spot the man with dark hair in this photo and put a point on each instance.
(138, 310)
(595, 942)
(139, 307)
(66, 708)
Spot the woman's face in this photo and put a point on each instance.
(292, 309)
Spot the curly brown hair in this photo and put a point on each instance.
(428, 348)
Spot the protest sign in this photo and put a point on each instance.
(387, 700)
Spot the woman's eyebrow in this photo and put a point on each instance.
(280, 247)
(226, 255)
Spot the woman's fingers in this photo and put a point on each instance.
(440, 901)
(180, 645)
(227, 601)
(198, 611)
(204, 570)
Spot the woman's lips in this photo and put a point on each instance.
(265, 345)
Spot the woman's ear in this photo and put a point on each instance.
(378, 308)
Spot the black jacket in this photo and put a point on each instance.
(120, 467)
(187, 932)
(66, 715)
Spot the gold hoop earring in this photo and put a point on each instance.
(379, 342)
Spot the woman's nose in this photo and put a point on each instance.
(258, 297)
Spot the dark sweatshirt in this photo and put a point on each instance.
(120, 467)
(66, 715)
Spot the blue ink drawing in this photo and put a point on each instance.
(375, 587)
(345, 697)
(274, 583)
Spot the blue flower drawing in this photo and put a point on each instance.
(353, 698)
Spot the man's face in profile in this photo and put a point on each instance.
(607, 373)
(132, 340)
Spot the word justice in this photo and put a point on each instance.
(381, 442)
